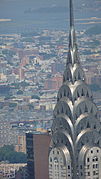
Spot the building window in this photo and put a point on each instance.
(88, 173)
(94, 166)
(81, 173)
(88, 160)
(80, 166)
(94, 126)
(94, 172)
(97, 165)
(96, 159)
(64, 92)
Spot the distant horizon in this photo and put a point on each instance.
(22, 15)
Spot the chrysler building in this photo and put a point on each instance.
(75, 148)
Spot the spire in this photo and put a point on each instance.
(71, 14)
(73, 52)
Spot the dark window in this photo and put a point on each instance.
(79, 77)
(88, 173)
(82, 94)
(94, 126)
(87, 94)
(64, 92)
(62, 110)
(78, 94)
(88, 160)
(97, 165)
(94, 172)
(96, 159)
(94, 166)
(80, 166)
(81, 173)
(86, 109)
(88, 125)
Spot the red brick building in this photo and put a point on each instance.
(54, 83)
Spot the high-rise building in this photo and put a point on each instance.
(37, 145)
(75, 149)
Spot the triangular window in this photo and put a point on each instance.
(57, 111)
(67, 76)
(62, 110)
(82, 94)
(64, 92)
(76, 116)
(75, 78)
(80, 111)
(78, 94)
(98, 143)
(79, 76)
(58, 99)
(88, 125)
(91, 110)
(87, 94)
(60, 95)
(86, 109)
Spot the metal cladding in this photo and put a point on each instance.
(76, 124)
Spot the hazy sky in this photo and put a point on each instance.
(15, 10)
(8, 7)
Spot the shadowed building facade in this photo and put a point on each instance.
(37, 145)
(75, 148)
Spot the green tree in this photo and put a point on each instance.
(19, 92)
(7, 152)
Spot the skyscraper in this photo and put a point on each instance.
(37, 145)
(75, 149)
